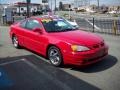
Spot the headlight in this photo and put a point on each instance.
(79, 48)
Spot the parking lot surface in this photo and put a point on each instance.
(22, 69)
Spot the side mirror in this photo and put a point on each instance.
(38, 30)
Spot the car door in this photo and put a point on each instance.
(20, 32)
(34, 40)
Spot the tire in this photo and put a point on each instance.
(55, 56)
(15, 42)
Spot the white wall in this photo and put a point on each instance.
(25, 9)
(21, 11)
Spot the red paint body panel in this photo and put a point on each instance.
(63, 40)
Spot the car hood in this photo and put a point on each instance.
(78, 37)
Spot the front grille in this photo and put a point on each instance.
(95, 58)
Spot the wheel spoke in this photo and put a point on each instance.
(55, 54)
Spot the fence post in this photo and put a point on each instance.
(13, 20)
(115, 27)
(3, 18)
(93, 24)
(24, 17)
(6, 19)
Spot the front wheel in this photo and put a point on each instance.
(55, 57)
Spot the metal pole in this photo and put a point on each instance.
(44, 9)
(98, 4)
(115, 27)
(19, 10)
(55, 7)
(51, 5)
(93, 24)
(13, 20)
(69, 11)
(28, 9)
(69, 14)
(3, 19)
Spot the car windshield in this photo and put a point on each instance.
(57, 25)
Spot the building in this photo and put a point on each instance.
(21, 7)
(2, 8)
(91, 8)
(66, 6)
(114, 8)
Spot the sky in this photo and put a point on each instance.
(105, 2)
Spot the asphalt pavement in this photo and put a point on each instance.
(22, 69)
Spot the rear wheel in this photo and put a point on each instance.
(15, 42)
(55, 57)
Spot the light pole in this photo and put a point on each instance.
(98, 2)
(28, 8)
(51, 5)
(19, 9)
(55, 6)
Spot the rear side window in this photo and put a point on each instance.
(23, 24)
(32, 24)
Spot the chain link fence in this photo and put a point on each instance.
(95, 23)
(102, 25)
(1, 16)
(14, 19)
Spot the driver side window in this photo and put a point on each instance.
(32, 24)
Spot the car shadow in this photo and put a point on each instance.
(108, 62)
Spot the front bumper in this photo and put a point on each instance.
(86, 58)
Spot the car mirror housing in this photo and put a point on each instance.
(38, 30)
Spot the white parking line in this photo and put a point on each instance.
(41, 58)
(56, 81)
(92, 24)
(10, 62)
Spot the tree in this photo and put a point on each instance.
(118, 8)
(60, 6)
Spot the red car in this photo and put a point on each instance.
(58, 40)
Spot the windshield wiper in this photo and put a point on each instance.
(63, 30)
(68, 29)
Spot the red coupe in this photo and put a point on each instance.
(58, 40)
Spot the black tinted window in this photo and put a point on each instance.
(57, 25)
(31, 24)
